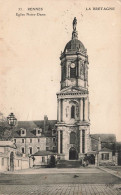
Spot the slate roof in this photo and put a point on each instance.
(30, 127)
(43, 153)
(107, 141)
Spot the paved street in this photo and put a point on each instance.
(57, 189)
(82, 181)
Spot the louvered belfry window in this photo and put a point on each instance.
(73, 72)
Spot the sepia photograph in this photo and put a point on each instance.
(60, 97)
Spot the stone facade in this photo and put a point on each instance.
(73, 124)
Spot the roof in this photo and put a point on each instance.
(105, 150)
(31, 127)
(74, 45)
(107, 140)
(7, 144)
(43, 153)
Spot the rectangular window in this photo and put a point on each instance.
(47, 148)
(23, 151)
(38, 148)
(105, 156)
(22, 140)
(61, 142)
(30, 150)
(2, 161)
(22, 132)
(30, 140)
(38, 140)
(38, 131)
(14, 140)
(54, 139)
(54, 149)
(83, 141)
(43, 159)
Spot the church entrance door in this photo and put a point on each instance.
(73, 154)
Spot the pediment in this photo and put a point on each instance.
(72, 90)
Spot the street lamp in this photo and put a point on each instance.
(11, 120)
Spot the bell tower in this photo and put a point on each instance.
(73, 101)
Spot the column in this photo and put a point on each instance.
(83, 109)
(57, 109)
(61, 110)
(86, 109)
(66, 70)
(81, 113)
(80, 141)
(58, 141)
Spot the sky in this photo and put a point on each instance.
(30, 48)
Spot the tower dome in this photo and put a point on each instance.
(74, 45)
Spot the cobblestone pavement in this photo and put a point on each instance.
(65, 189)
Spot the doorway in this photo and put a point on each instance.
(73, 154)
(11, 161)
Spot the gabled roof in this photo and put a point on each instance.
(43, 153)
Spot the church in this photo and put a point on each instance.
(73, 122)
(73, 110)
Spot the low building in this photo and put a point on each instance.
(44, 158)
(11, 159)
(103, 151)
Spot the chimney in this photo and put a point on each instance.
(45, 123)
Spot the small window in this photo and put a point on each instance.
(73, 112)
(23, 151)
(30, 140)
(38, 148)
(54, 139)
(2, 161)
(22, 140)
(22, 132)
(54, 149)
(105, 156)
(14, 140)
(43, 159)
(38, 131)
(38, 140)
(47, 148)
(30, 150)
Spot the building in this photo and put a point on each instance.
(33, 136)
(44, 159)
(11, 159)
(73, 123)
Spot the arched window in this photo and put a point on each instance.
(73, 72)
(72, 138)
(73, 112)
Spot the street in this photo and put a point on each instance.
(59, 181)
